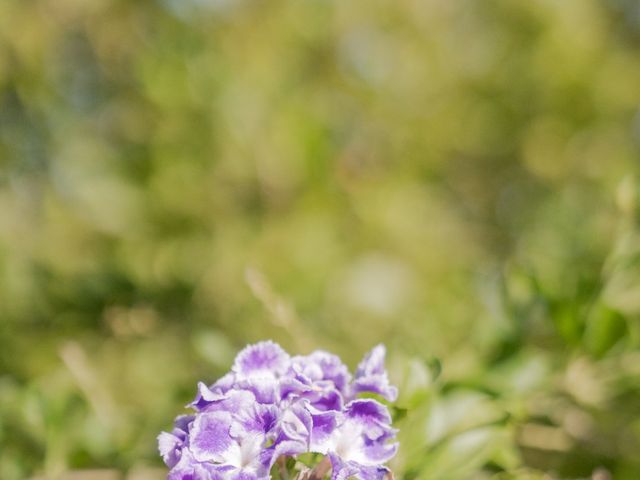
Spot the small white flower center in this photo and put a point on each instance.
(246, 452)
(348, 441)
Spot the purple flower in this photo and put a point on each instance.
(360, 441)
(238, 444)
(271, 405)
(322, 379)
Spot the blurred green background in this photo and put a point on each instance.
(454, 178)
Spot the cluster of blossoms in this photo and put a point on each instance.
(272, 406)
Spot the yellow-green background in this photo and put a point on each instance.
(454, 178)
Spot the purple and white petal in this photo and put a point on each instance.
(324, 398)
(323, 426)
(321, 365)
(296, 423)
(170, 448)
(294, 385)
(233, 401)
(190, 469)
(372, 363)
(170, 445)
(181, 425)
(371, 376)
(378, 384)
(184, 469)
(246, 453)
(377, 452)
(204, 397)
(262, 359)
(264, 389)
(342, 470)
(371, 416)
(210, 440)
(224, 383)
(257, 418)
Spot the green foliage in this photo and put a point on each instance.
(457, 179)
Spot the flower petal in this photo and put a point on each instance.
(210, 438)
(341, 470)
(378, 384)
(373, 362)
(296, 423)
(373, 416)
(321, 365)
(265, 389)
(257, 418)
(264, 358)
(233, 401)
(377, 453)
(372, 377)
(170, 448)
(324, 424)
(204, 397)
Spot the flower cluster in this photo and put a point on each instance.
(272, 405)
